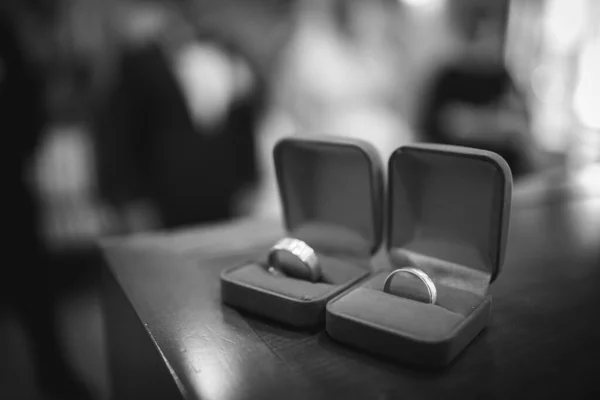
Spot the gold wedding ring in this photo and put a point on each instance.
(431, 289)
(300, 250)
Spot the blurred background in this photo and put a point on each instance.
(139, 115)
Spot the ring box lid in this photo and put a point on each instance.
(331, 190)
(449, 212)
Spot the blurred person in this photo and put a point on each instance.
(176, 145)
(473, 100)
(77, 72)
(343, 74)
(26, 281)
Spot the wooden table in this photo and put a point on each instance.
(169, 336)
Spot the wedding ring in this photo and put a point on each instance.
(311, 269)
(431, 289)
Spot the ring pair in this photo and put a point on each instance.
(311, 268)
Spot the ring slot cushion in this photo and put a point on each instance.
(448, 213)
(331, 190)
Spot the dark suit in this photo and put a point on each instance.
(463, 84)
(150, 148)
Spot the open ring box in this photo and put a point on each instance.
(331, 191)
(448, 216)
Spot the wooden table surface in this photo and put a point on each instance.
(169, 336)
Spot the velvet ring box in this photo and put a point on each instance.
(448, 216)
(331, 191)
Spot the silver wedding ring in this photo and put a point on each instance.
(431, 289)
(303, 252)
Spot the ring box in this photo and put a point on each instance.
(331, 191)
(448, 215)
